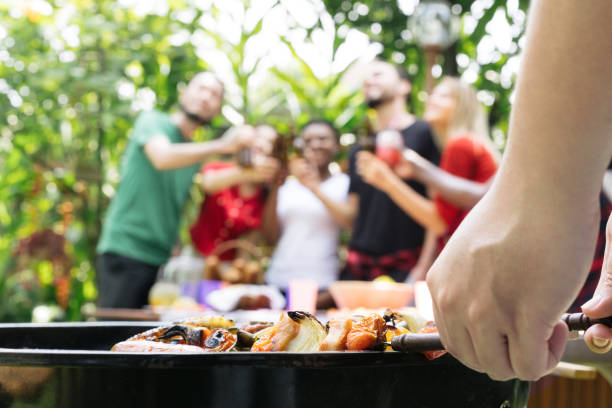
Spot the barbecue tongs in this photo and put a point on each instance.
(419, 342)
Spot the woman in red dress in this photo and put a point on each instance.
(459, 123)
(235, 196)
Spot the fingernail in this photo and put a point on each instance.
(573, 335)
(592, 303)
(600, 342)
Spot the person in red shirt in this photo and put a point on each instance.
(459, 123)
(235, 196)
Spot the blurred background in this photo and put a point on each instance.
(75, 73)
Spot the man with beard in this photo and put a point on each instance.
(386, 241)
(157, 172)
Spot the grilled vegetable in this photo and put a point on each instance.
(208, 322)
(141, 346)
(337, 332)
(392, 332)
(295, 332)
(367, 334)
(208, 333)
(433, 354)
(413, 320)
(254, 327)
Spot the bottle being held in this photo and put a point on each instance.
(367, 141)
(389, 145)
(246, 135)
(280, 150)
(244, 157)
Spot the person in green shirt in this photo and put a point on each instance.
(157, 171)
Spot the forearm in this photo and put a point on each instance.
(215, 181)
(421, 209)
(427, 257)
(458, 191)
(344, 213)
(270, 227)
(559, 143)
(167, 156)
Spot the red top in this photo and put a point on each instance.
(225, 215)
(467, 158)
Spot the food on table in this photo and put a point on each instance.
(245, 297)
(253, 302)
(164, 293)
(239, 270)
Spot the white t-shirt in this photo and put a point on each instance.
(308, 245)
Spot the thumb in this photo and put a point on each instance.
(601, 303)
(599, 337)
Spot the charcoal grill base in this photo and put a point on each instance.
(79, 378)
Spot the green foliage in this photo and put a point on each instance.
(67, 124)
(73, 78)
(386, 23)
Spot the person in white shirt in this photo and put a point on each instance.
(303, 216)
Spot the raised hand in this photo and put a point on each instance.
(265, 169)
(373, 170)
(305, 173)
(238, 137)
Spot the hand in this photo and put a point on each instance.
(305, 173)
(599, 337)
(238, 137)
(373, 170)
(410, 164)
(265, 169)
(506, 276)
(280, 178)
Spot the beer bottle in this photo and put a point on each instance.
(367, 141)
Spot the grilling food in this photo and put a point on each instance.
(337, 332)
(295, 332)
(254, 327)
(432, 354)
(202, 334)
(141, 346)
(367, 334)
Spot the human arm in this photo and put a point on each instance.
(344, 213)
(270, 226)
(423, 210)
(458, 191)
(264, 170)
(165, 155)
(519, 258)
(427, 257)
(599, 337)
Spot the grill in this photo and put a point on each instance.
(69, 365)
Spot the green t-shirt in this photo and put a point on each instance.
(143, 219)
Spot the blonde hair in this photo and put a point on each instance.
(469, 117)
